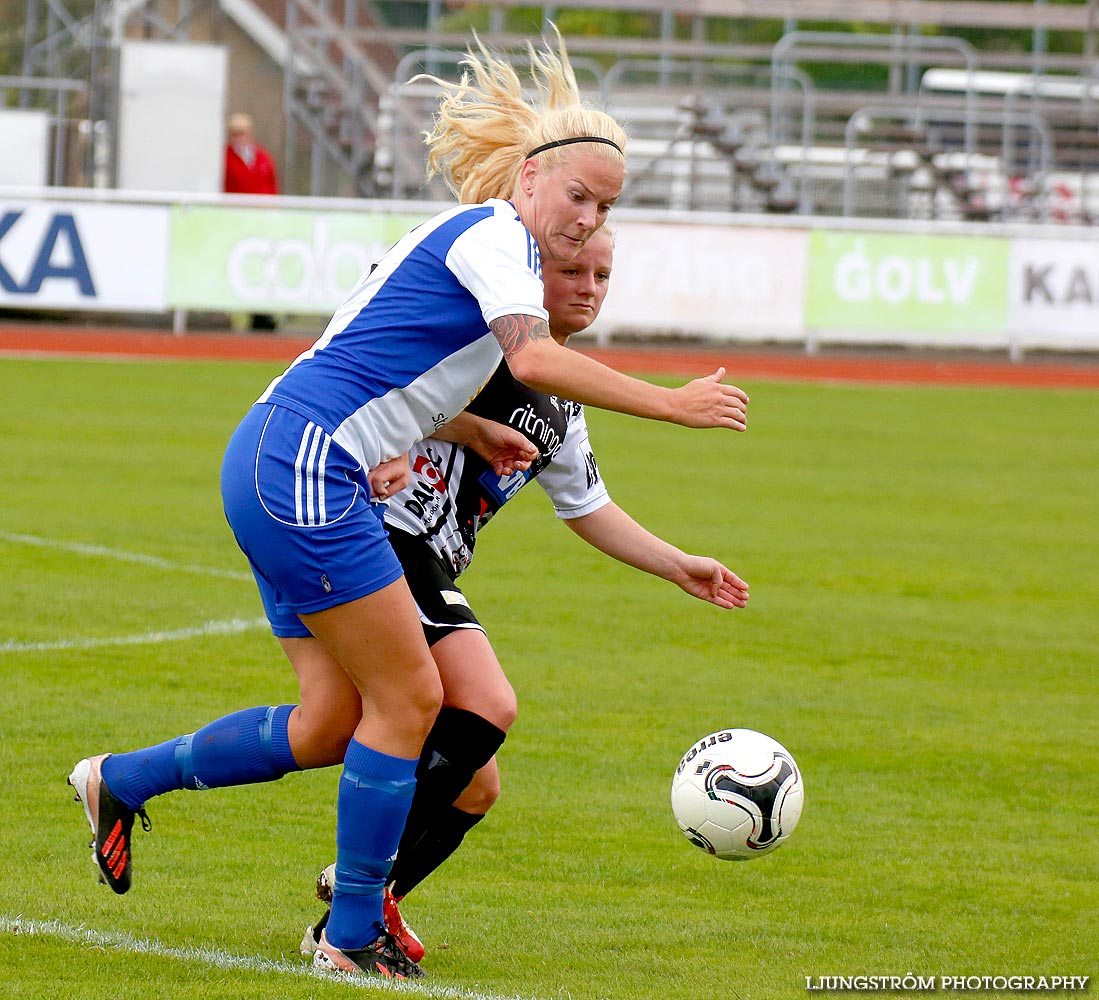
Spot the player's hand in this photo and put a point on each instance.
(708, 580)
(709, 402)
(503, 447)
(390, 477)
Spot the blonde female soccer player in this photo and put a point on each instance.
(404, 354)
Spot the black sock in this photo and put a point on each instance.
(437, 844)
(458, 746)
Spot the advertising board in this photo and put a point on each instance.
(273, 259)
(911, 287)
(716, 282)
(69, 255)
(1053, 293)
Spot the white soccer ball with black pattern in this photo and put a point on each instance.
(737, 794)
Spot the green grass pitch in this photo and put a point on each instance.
(923, 635)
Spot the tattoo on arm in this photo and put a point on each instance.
(515, 331)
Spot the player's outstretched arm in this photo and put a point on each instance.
(537, 360)
(611, 530)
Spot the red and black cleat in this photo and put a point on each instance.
(112, 823)
(381, 958)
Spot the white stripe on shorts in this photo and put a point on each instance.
(297, 472)
(309, 505)
(311, 477)
(322, 511)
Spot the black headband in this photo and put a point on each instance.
(569, 142)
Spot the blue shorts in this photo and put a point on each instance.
(299, 506)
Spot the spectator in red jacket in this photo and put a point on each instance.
(249, 169)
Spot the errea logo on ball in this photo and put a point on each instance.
(737, 794)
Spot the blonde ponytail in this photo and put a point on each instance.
(485, 130)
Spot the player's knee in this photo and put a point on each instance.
(500, 706)
(481, 793)
(320, 737)
(509, 715)
(424, 701)
(330, 748)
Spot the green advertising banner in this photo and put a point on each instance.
(901, 282)
(274, 260)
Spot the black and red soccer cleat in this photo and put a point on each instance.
(395, 924)
(111, 821)
(407, 939)
(382, 957)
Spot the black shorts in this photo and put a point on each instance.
(443, 607)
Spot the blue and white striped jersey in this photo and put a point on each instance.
(410, 346)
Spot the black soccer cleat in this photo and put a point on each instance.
(382, 958)
(396, 926)
(111, 821)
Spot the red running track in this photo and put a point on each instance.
(741, 364)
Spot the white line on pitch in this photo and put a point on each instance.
(230, 627)
(218, 959)
(84, 549)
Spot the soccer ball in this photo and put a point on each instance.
(737, 794)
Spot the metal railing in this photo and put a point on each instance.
(341, 91)
(856, 155)
(895, 50)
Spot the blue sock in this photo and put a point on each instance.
(238, 749)
(375, 793)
